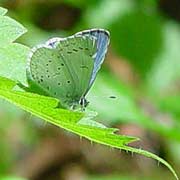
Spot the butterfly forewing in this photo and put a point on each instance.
(78, 58)
(102, 42)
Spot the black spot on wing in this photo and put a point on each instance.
(75, 50)
(83, 67)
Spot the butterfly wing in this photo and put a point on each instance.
(63, 67)
(102, 42)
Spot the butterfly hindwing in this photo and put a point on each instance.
(48, 72)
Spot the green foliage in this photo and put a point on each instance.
(171, 104)
(47, 109)
(166, 70)
(108, 12)
(124, 107)
(12, 55)
(2, 11)
(142, 34)
(11, 178)
(12, 64)
(151, 44)
(10, 29)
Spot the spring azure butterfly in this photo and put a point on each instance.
(65, 68)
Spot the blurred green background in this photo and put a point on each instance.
(142, 69)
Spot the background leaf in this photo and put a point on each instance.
(46, 108)
(12, 55)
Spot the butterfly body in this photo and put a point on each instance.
(66, 68)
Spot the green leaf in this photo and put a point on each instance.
(13, 56)
(11, 178)
(3, 11)
(13, 59)
(10, 30)
(124, 108)
(47, 109)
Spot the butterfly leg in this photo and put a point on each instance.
(83, 102)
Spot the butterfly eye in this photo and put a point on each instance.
(68, 82)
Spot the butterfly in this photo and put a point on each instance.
(65, 68)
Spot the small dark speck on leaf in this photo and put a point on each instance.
(112, 97)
